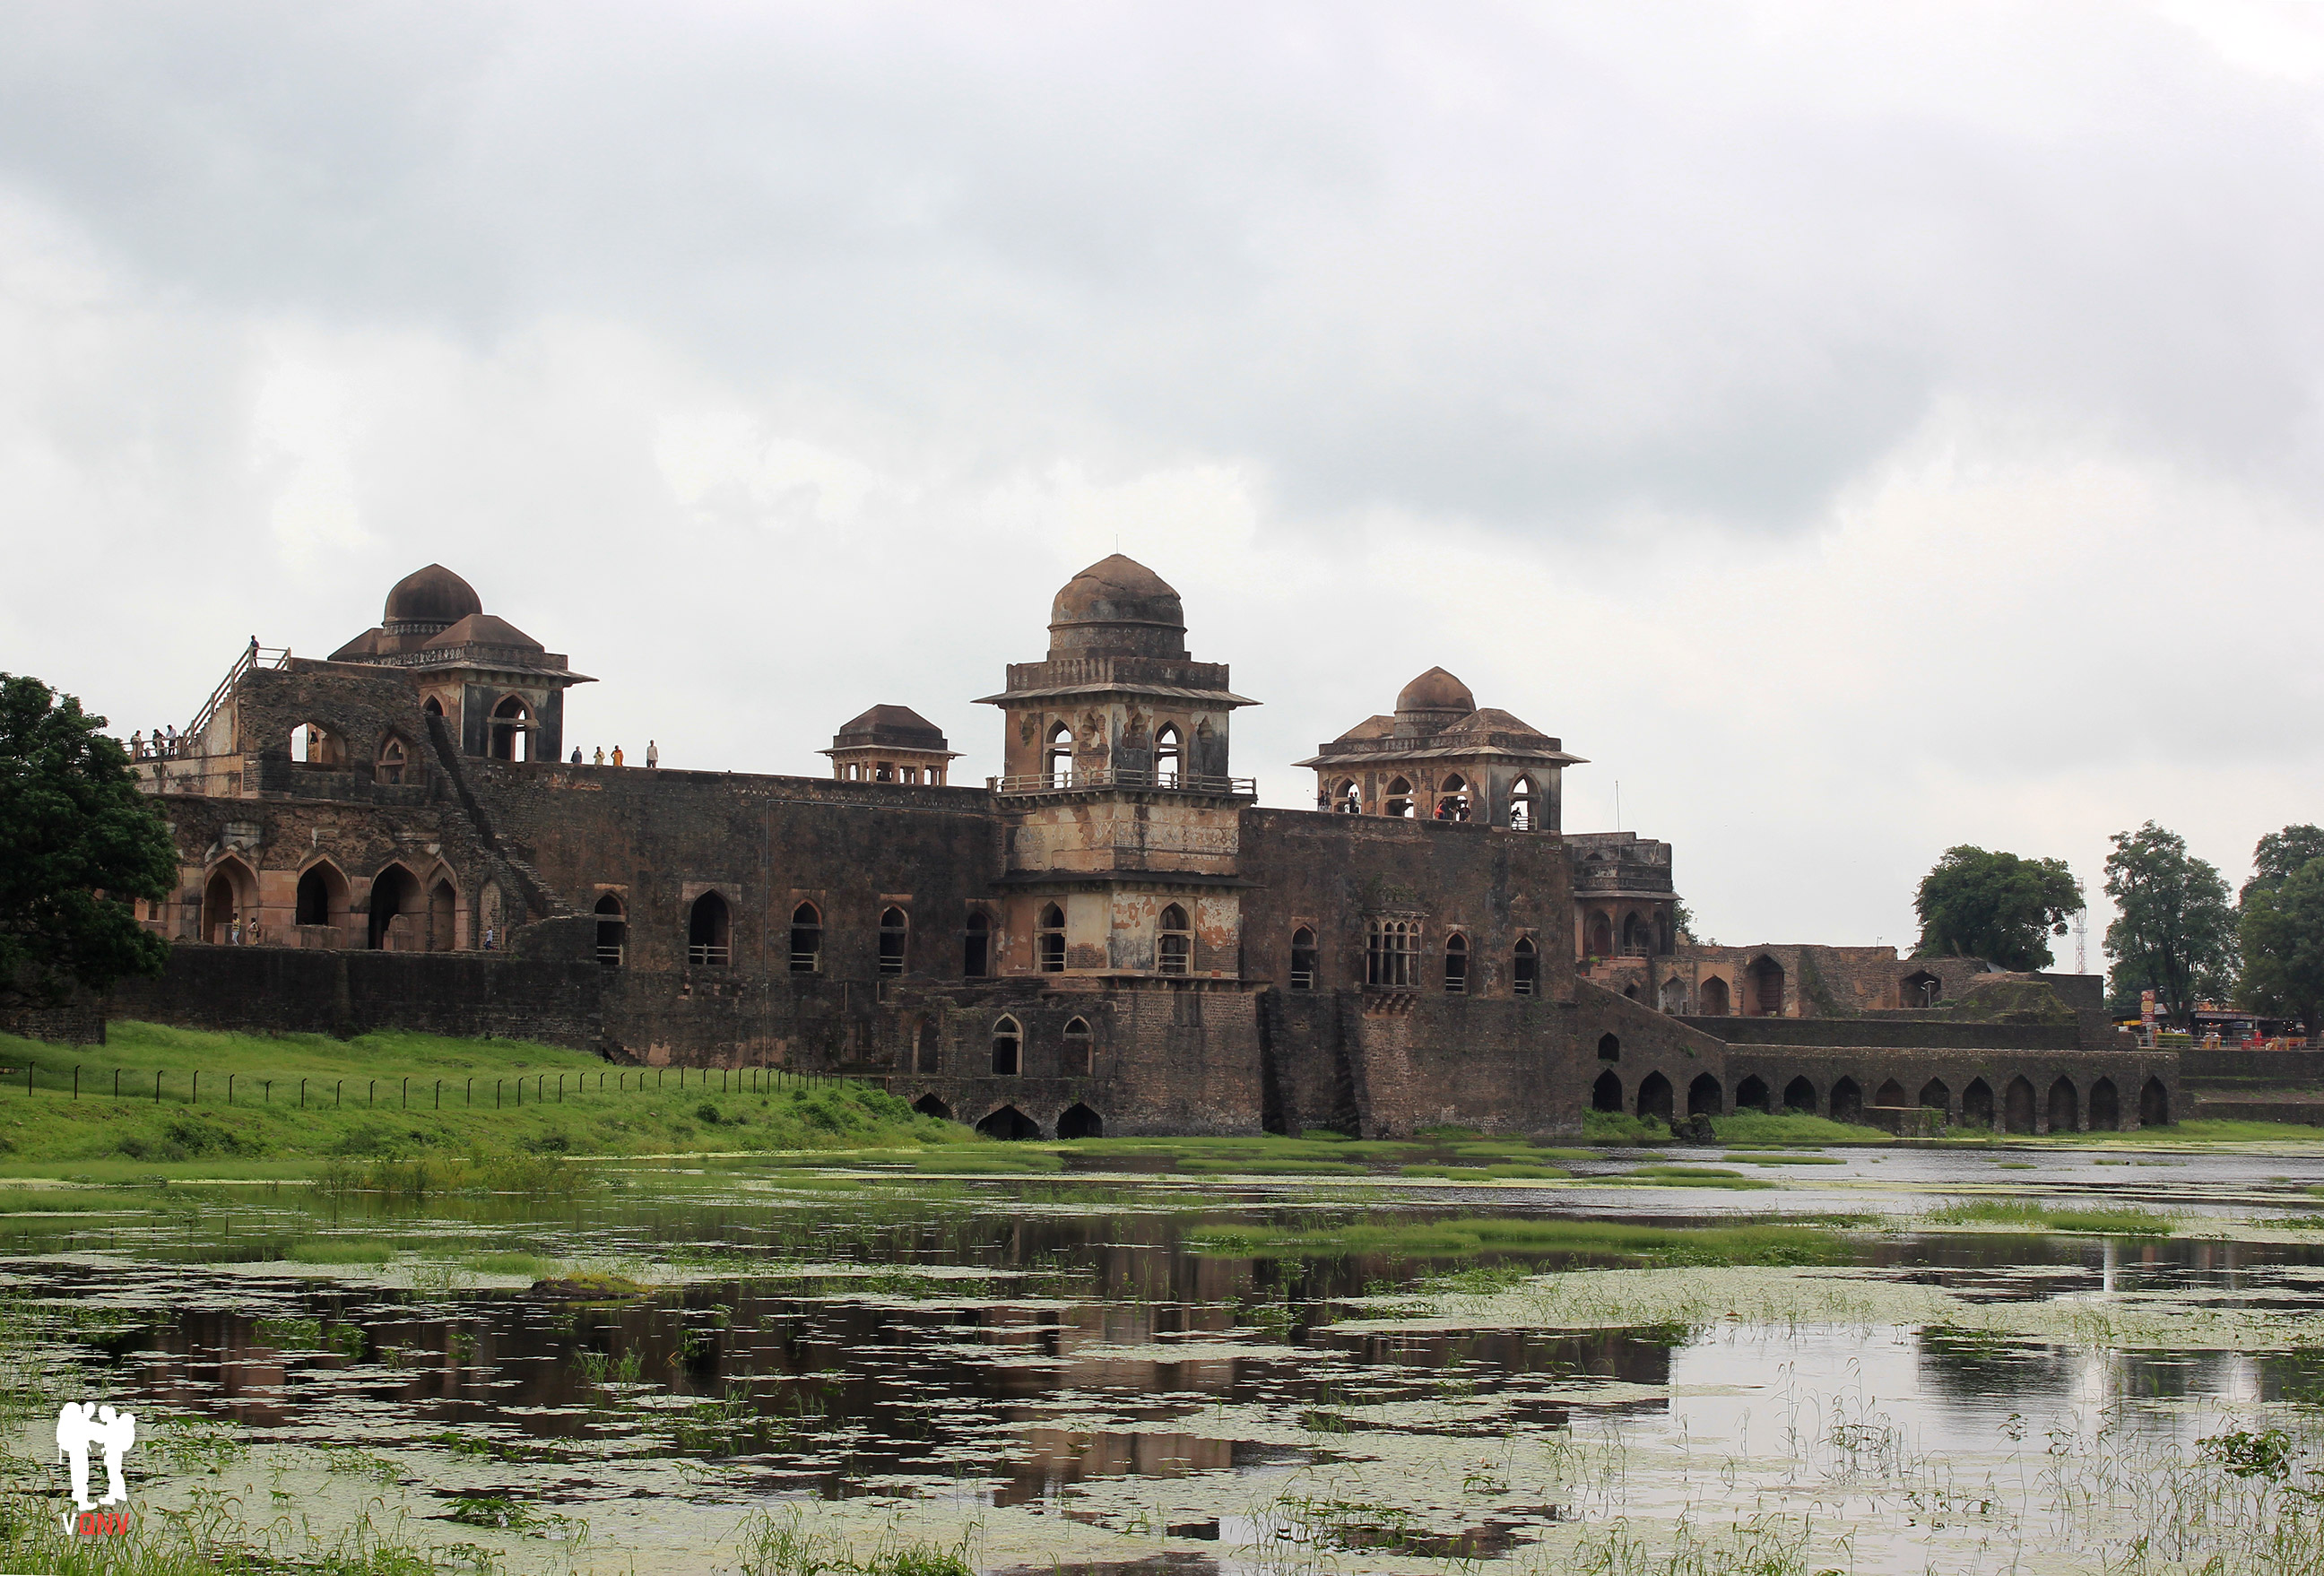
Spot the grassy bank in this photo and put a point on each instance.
(463, 1095)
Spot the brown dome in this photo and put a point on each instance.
(1436, 691)
(433, 595)
(1117, 607)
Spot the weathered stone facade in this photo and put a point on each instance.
(1111, 936)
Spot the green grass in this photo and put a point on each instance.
(530, 1265)
(1747, 1157)
(354, 1106)
(1487, 1173)
(1690, 1176)
(1611, 1240)
(1758, 1128)
(340, 1250)
(2123, 1220)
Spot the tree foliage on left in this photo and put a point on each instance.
(1976, 904)
(80, 842)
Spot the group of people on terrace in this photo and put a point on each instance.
(653, 756)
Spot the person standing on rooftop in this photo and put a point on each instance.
(654, 755)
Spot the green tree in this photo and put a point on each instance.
(1994, 906)
(80, 839)
(2175, 934)
(2279, 854)
(2282, 933)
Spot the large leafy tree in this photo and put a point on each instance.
(2176, 932)
(1976, 904)
(2279, 854)
(2282, 934)
(77, 839)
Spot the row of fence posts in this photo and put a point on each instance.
(731, 1079)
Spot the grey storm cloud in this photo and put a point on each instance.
(1525, 266)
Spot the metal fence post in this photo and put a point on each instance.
(197, 1086)
(302, 1094)
(339, 1094)
(157, 1085)
(76, 1079)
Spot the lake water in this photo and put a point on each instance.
(1055, 1374)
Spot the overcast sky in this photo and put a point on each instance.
(1857, 429)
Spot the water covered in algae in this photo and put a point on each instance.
(1906, 1363)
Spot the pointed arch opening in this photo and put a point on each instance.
(1766, 995)
(2105, 1107)
(1173, 941)
(1606, 1094)
(395, 897)
(1388, 950)
(709, 931)
(1891, 1093)
(2065, 1108)
(1456, 964)
(895, 939)
(1398, 802)
(229, 902)
(1936, 1096)
(1704, 1097)
(1674, 995)
(1453, 798)
(1077, 1059)
(1609, 1047)
(1049, 939)
(1057, 756)
(1846, 1102)
(322, 897)
(1009, 1122)
(2153, 1104)
(613, 931)
(2017, 1106)
(1752, 1094)
(1919, 990)
(1799, 1094)
(1525, 967)
(1523, 815)
(1655, 1097)
(1303, 959)
(1348, 798)
(976, 945)
(1713, 1003)
(512, 729)
(929, 1105)
(432, 706)
(1007, 1047)
(1079, 1122)
(806, 939)
(394, 757)
(1169, 755)
(313, 744)
(1601, 936)
(443, 915)
(1977, 1104)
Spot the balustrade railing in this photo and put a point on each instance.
(1050, 782)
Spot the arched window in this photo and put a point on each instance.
(1303, 959)
(433, 707)
(1049, 940)
(512, 731)
(1389, 948)
(1169, 755)
(709, 931)
(1674, 995)
(1007, 1047)
(390, 767)
(1077, 1048)
(976, 945)
(1175, 941)
(1767, 997)
(1609, 1047)
(1637, 936)
(1714, 998)
(1456, 964)
(1453, 798)
(229, 901)
(613, 931)
(312, 744)
(1079, 1122)
(895, 930)
(1525, 971)
(1522, 813)
(322, 896)
(807, 940)
(1399, 798)
(443, 915)
(1058, 758)
(394, 893)
(1348, 798)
